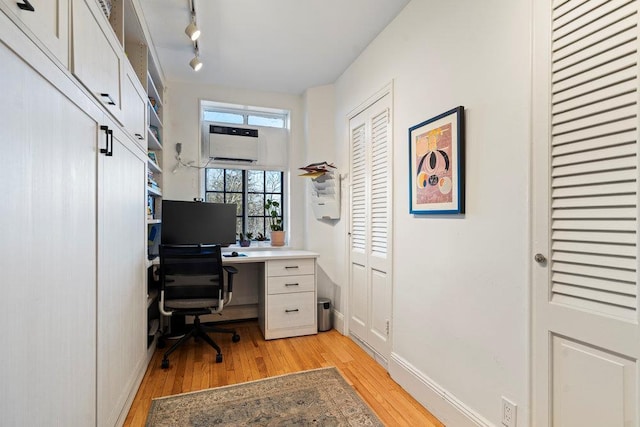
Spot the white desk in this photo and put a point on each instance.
(287, 303)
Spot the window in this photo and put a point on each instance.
(244, 117)
(248, 189)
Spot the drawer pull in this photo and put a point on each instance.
(108, 97)
(292, 284)
(25, 5)
(291, 266)
(139, 136)
(291, 311)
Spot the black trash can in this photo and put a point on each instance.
(324, 314)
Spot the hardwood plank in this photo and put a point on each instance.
(192, 367)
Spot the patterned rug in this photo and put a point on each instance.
(318, 397)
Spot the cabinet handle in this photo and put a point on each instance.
(105, 150)
(291, 266)
(25, 5)
(291, 311)
(107, 96)
(108, 149)
(292, 284)
(139, 136)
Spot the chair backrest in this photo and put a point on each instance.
(190, 272)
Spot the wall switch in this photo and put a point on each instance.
(508, 413)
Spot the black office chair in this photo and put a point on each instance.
(192, 284)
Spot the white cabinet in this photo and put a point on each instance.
(47, 252)
(134, 107)
(121, 274)
(287, 300)
(72, 249)
(97, 55)
(48, 22)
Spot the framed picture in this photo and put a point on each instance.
(436, 164)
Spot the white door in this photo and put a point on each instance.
(370, 243)
(47, 252)
(122, 340)
(586, 338)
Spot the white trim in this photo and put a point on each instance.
(443, 405)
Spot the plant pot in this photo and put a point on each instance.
(277, 238)
(245, 243)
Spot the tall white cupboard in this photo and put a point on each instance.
(72, 227)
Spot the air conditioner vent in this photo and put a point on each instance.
(233, 144)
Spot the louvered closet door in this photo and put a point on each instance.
(586, 334)
(370, 252)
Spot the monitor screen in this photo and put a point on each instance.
(187, 223)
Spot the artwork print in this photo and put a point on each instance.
(435, 147)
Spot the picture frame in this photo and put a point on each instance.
(436, 164)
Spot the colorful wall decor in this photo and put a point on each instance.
(436, 164)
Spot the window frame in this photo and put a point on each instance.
(245, 195)
(284, 116)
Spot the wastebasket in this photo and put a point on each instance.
(324, 314)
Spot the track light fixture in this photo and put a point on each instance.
(192, 30)
(195, 63)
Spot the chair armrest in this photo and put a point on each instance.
(231, 271)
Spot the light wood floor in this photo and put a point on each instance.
(193, 368)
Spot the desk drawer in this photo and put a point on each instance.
(290, 267)
(291, 310)
(288, 284)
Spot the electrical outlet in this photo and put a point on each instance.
(508, 413)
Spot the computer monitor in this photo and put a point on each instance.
(188, 223)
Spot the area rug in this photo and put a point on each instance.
(318, 397)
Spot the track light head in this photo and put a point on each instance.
(195, 63)
(192, 31)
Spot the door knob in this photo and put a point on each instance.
(540, 259)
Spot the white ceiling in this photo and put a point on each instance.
(268, 45)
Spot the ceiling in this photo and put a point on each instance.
(283, 46)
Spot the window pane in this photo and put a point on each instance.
(217, 116)
(215, 197)
(235, 198)
(255, 204)
(238, 225)
(256, 181)
(215, 179)
(273, 182)
(275, 198)
(256, 225)
(272, 122)
(234, 180)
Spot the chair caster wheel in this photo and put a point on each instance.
(165, 364)
(219, 358)
(235, 338)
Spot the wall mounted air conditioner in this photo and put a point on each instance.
(233, 144)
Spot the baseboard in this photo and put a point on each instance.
(338, 321)
(442, 404)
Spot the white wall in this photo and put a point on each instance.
(182, 106)
(460, 303)
(321, 146)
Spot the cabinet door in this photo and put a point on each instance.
(134, 108)
(97, 56)
(47, 252)
(48, 21)
(122, 243)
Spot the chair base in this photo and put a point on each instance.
(200, 331)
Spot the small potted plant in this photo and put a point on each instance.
(245, 239)
(275, 222)
(261, 238)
